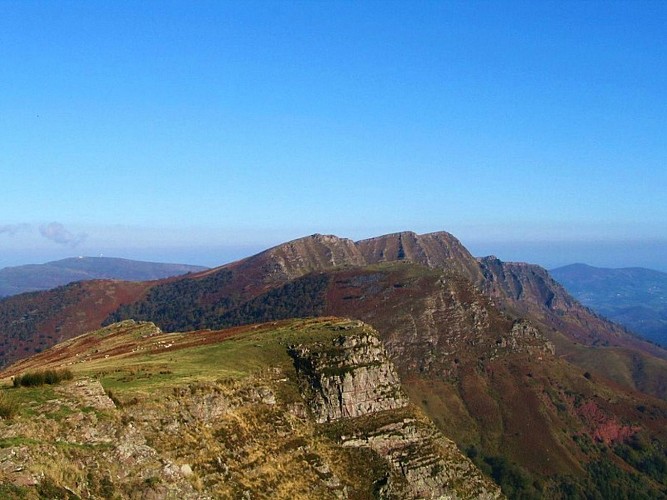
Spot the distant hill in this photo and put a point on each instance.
(633, 297)
(549, 399)
(37, 277)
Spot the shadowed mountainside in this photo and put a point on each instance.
(37, 277)
(32, 322)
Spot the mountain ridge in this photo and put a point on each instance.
(487, 349)
(39, 277)
(514, 285)
(635, 297)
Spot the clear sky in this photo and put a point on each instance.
(203, 131)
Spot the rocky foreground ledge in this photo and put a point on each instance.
(292, 409)
(350, 380)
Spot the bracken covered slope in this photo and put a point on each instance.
(32, 322)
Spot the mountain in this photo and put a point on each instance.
(633, 297)
(546, 397)
(296, 409)
(35, 277)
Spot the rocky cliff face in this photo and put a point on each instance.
(80, 445)
(423, 463)
(435, 250)
(313, 253)
(432, 322)
(352, 379)
(529, 291)
(320, 252)
(347, 377)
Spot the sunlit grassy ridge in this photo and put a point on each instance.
(135, 359)
(213, 414)
(197, 398)
(132, 356)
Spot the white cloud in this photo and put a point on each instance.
(57, 233)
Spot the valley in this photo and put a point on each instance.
(633, 297)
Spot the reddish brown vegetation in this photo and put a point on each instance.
(447, 321)
(602, 427)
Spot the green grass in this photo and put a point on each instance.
(17, 441)
(29, 399)
(233, 359)
(153, 371)
(28, 402)
(41, 377)
(250, 352)
(10, 492)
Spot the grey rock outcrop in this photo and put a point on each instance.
(349, 377)
(524, 337)
(425, 463)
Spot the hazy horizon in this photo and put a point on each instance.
(548, 254)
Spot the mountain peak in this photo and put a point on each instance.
(437, 250)
(309, 253)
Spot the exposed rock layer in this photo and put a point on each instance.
(348, 377)
(352, 378)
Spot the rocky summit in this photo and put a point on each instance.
(350, 376)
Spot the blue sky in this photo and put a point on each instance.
(204, 131)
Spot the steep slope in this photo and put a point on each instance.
(543, 393)
(487, 378)
(633, 297)
(287, 410)
(32, 322)
(313, 253)
(36, 277)
(531, 292)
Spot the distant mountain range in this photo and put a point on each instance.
(37, 277)
(633, 297)
(549, 399)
